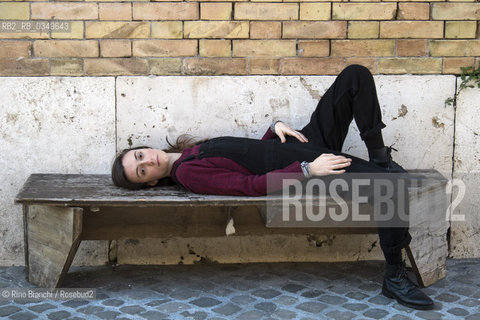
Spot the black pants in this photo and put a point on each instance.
(353, 96)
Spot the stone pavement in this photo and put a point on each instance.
(244, 291)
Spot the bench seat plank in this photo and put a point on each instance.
(98, 190)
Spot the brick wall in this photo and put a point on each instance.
(242, 37)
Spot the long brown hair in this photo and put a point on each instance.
(119, 179)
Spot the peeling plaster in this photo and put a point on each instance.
(37, 120)
(402, 111)
(437, 124)
(315, 94)
(279, 103)
(314, 239)
(241, 124)
(12, 117)
(373, 245)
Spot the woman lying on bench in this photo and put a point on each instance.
(239, 166)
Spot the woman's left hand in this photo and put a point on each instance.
(282, 130)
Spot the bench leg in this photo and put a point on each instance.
(428, 249)
(427, 254)
(52, 237)
(414, 266)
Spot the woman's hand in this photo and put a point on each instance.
(329, 163)
(281, 130)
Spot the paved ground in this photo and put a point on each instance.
(253, 291)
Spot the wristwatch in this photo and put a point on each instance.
(272, 126)
(306, 169)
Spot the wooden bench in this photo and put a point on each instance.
(61, 210)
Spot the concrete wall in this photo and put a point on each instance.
(465, 233)
(64, 125)
(71, 125)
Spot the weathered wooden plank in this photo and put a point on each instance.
(53, 237)
(113, 223)
(414, 266)
(76, 189)
(25, 237)
(428, 227)
(92, 189)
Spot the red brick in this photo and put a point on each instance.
(166, 11)
(23, 67)
(264, 48)
(215, 11)
(265, 30)
(115, 11)
(312, 66)
(411, 48)
(116, 66)
(370, 63)
(313, 48)
(453, 65)
(413, 11)
(65, 48)
(266, 11)
(410, 65)
(215, 66)
(264, 66)
(64, 10)
(164, 48)
(315, 29)
(15, 49)
(352, 48)
(115, 48)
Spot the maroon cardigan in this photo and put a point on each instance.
(222, 176)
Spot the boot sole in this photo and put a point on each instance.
(390, 295)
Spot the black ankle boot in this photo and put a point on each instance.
(383, 158)
(396, 285)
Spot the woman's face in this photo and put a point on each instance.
(145, 165)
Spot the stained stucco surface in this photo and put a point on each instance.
(74, 125)
(51, 125)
